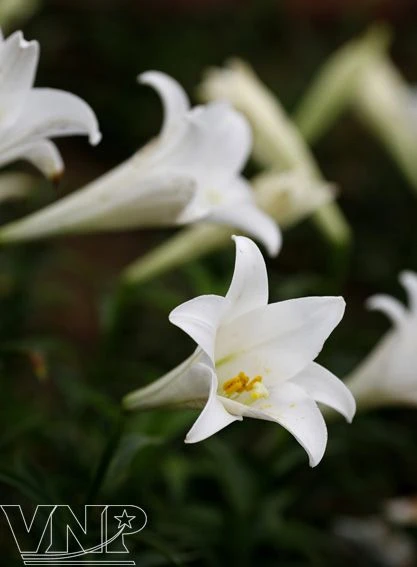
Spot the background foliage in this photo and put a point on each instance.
(71, 346)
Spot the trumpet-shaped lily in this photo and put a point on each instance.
(254, 359)
(388, 375)
(191, 171)
(30, 116)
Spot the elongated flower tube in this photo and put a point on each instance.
(388, 375)
(15, 186)
(14, 12)
(288, 197)
(387, 105)
(278, 144)
(334, 87)
(254, 359)
(361, 76)
(190, 172)
(30, 116)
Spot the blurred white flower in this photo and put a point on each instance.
(387, 105)
(278, 144)
(388, 375)
(13, 12)
(15, 186)
(288, 197)
(401, 511)
(360, 75)
(333, 88)
(291, 196)
(254, 359)
(191, 171)
(277, 141)
(377, 541)
(30, 116)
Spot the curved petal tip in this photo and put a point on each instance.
(56, 176)
(95, 137)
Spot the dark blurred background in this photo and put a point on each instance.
(72, 347)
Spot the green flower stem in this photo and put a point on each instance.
(106, 458)
(199, 240)
(189, 243)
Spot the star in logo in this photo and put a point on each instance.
(124, 520)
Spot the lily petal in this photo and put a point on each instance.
(326, 388)
(214, 416)
(174, 98)
(49, 113)
(119, 201)
(43, 154)
(278, 340)
(299, 414)
(251, 220)
(276, 139)
(291, 196)
(217, 193)
(200, 318)
(295, 410)
(214, 145)
(18, 62)
(154, 201)
(409, 281)
(391, 307)
(185, 386)
(249, 287)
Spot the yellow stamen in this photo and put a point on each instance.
(242, 383)
(236, 385)
(252, 383)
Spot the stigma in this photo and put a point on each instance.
(244, 389)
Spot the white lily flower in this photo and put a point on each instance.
(30, 116)
(388, 375)
(191, 171)
(254, 359)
